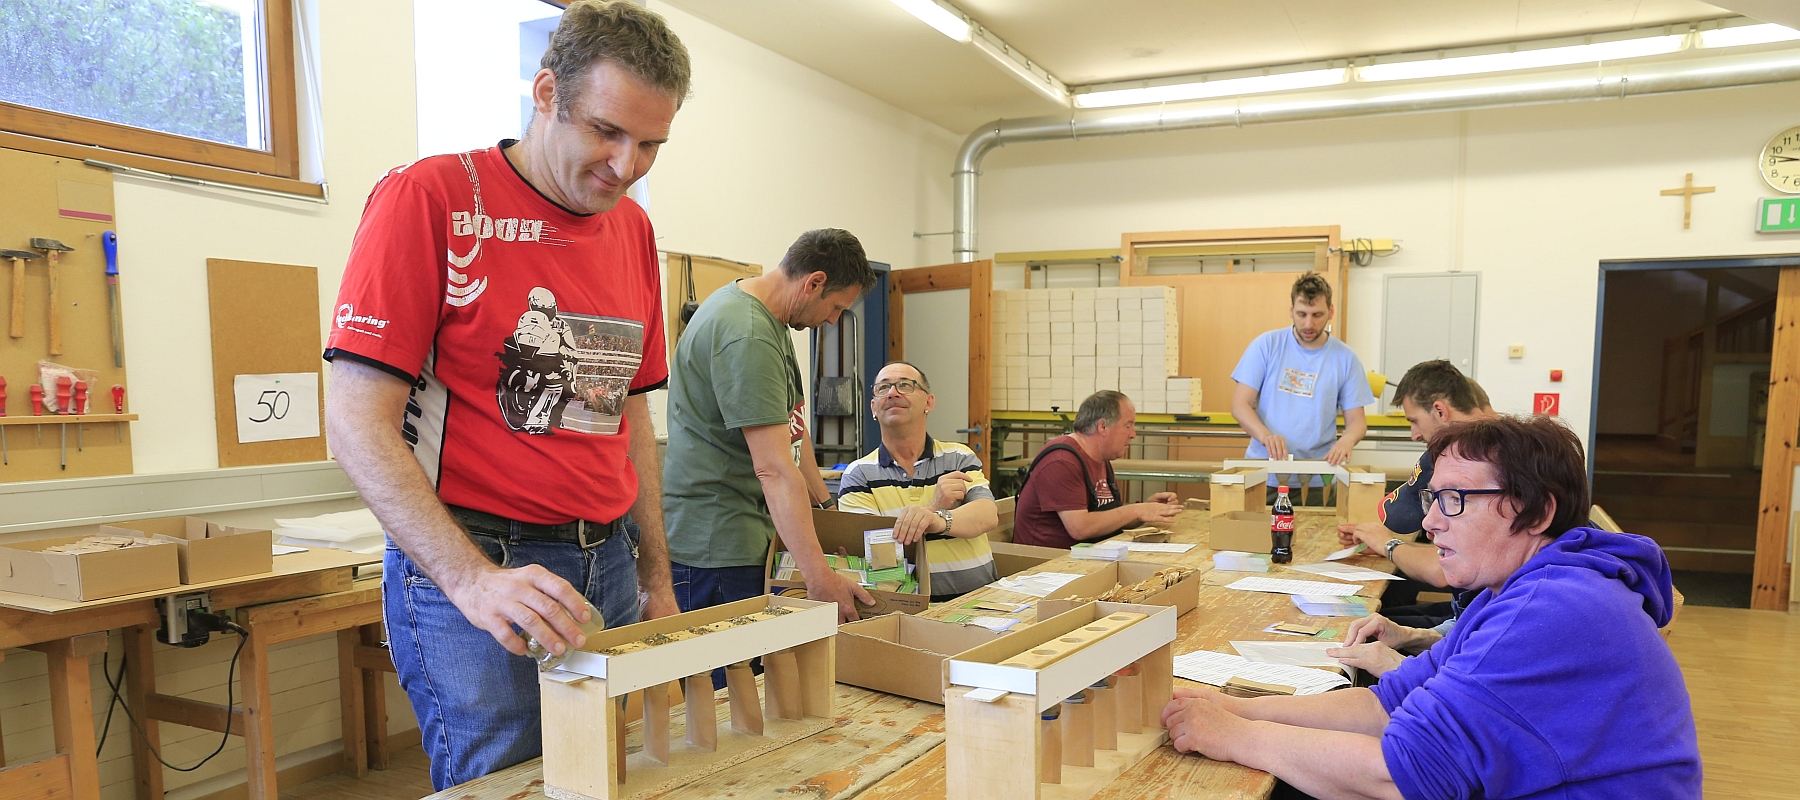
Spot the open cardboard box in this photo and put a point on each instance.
(24, 568)
(903, 654)
(1245, 531)
(209, 551)
(1183, 596)
(1011, 559)
(1239, 488)
(842, 529)
(1360, 496)
(1006, 506)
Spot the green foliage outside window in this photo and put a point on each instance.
(175, 66)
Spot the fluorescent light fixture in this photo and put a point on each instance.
(1258, 84)
(938, 17)
(1044, 85)
(1748, 34)
(1523, 59)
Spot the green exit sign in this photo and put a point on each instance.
(1778, 214)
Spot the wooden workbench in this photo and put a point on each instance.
(885, 746)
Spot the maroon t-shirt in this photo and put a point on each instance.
(1055, 484)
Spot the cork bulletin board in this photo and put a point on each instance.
(60, 198)
(265, 320)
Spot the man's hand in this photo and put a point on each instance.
(1340, 452)
(538, 601)
(952, 487)
(835, 588)
(914, 522)
(1197, 724)
(1165, 497)
(1373, 657)
(662, 604)
(1154, 513)
(1276, 445)
(1373, 535)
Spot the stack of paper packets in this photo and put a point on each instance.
(1238, 561)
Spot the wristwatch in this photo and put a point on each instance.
(1391, 544)
(947, 518)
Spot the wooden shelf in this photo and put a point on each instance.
(61, 419)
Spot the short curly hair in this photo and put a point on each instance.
(1536, 460)
(624, 33)
(1311, 287)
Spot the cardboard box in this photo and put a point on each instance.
(1006, 506)
(1359, 499)
(903, 654)
(1239, 489)
(87, 576)
(209, 551)
(1011, 559)
(1183, 596)
(1247, 531)
(843, 529)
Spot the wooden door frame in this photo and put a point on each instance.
(978, 278)
(1774, 584)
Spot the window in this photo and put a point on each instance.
(475, 62)
(207, 82)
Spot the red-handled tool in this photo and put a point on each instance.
(37, 400)
(80, 407)
(4, 459)
(118, 399)
(64, 384)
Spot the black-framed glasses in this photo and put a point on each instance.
(1450, 501)
(886, 388)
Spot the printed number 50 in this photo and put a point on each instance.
(275, 407)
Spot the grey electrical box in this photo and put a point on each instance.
(1428, 317)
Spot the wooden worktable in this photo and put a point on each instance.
(886, 746)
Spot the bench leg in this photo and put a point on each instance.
(350, 704)
(140, 683)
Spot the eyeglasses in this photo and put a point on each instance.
(905, 387)
(1450, 501)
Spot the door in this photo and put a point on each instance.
(1429, 317)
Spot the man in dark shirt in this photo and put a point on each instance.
(1433, 394)
(1070, 494)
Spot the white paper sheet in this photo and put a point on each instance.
(1159, 547)
(996, 624)
(1036, 584)
(1205, 666)
(1346, 552)
(1286, 586)
(1347, 572)
(283, 549)
(277, 406)
(1293, 654)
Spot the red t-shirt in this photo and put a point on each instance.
(1055, 484)
(521, 326)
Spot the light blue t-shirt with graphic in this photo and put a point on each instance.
(1300, 392)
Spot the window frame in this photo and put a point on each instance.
(54, 133)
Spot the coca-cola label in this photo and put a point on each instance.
(1283, 524)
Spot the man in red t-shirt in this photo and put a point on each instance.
(1070, 495)
(498, 325)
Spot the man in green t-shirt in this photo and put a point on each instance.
(740, 466)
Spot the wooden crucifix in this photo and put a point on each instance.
(1687, 191)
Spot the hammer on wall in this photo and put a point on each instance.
(52, 248)
(19, 257)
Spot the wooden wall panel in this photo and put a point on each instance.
(265, 319)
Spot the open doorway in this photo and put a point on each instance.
(1681, 415)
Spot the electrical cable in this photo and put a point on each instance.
(107, 727)
(230, 685)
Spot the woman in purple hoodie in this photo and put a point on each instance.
(1554, 682)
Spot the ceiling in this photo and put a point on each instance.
(876, 47)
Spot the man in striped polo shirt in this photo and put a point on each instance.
(934, 490)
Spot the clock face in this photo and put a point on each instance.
(1780, 164)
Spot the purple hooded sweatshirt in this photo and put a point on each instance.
(1557, 686)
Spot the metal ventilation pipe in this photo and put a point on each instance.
(1363, 101)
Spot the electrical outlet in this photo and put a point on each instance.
(1515, 351)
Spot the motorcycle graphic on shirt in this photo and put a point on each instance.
(561, 371)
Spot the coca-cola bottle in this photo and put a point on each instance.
(1281, 528)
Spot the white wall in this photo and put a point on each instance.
(767, 149)
(1532, 197)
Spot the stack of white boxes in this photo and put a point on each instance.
(1054, 347)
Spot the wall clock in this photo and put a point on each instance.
(1780, 163)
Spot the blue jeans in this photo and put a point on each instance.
(705, 587)
(477, 704)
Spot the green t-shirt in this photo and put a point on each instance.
(734, 368)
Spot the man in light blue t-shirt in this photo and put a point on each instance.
(1293, 382)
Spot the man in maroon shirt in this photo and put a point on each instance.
(1070, 494)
